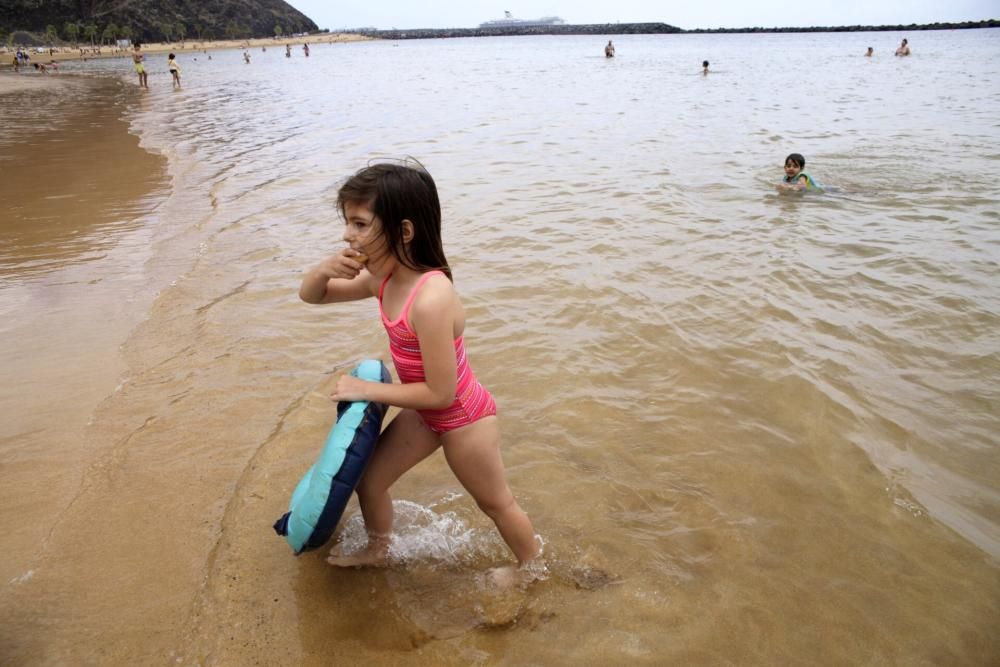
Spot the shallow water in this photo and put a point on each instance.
(749, 428)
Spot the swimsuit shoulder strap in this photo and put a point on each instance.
(404, 315)
(381, 288)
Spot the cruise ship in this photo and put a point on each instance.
(509, 21)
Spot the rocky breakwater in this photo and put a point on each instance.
(507, 31)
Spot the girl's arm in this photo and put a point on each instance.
(338, 278)
(432, 318)
(800, 184)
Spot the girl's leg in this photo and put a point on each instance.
(405, 442)
(473, 453)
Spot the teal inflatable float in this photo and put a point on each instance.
(320, 498)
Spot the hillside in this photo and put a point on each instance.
(151, 20)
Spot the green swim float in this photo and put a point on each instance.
(811, 184)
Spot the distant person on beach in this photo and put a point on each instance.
(904, 48)
(140, 69)
(394, 254)
(795, 179)
(246, 57)
(870, 52)
(609, 50)
(305, 49)
(704, 67)
(288, 50)
(175, 69)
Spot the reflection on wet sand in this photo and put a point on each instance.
(73, 178)
(74, 189)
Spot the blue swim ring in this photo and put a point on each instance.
(321, 496)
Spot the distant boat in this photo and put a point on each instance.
(509, 21)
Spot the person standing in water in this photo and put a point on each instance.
(904, 48)
(394, 254)
(869, 52)
(609, 50)
(175, 69)
(138, 65)
(704, 67)
(305, 50)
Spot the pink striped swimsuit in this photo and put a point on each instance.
(472, 400)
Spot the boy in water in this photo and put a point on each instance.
(795, 179)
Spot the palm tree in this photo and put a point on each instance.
(72, 31)
(90, 32)
(110, 33)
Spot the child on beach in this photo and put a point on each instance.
(175, 69)
(394, 254)
(795, 179)
(140, 69)
(704, 67)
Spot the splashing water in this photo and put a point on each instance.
(422, 535)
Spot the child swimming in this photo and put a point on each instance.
(394, 254)
(795, 179)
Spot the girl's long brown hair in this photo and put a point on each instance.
(396, 192)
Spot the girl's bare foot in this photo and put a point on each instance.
(375, 554)
(509, 576)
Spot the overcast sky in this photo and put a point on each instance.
(686, 14)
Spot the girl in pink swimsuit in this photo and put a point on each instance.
(394, 254)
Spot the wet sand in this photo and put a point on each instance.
(11, 82)
(75, 182)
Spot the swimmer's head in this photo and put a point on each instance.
(795, 160)
(704, 63)
(403, 199)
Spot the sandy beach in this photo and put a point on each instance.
(74, 53)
